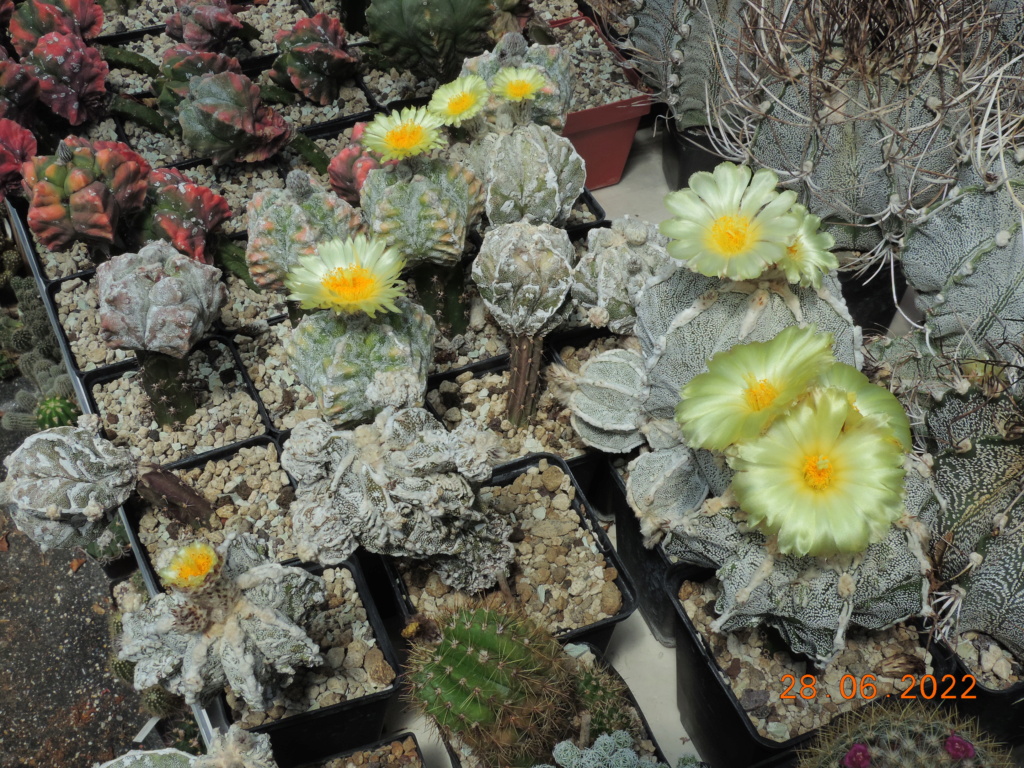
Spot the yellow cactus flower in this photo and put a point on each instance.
(518, 83)
(730, 223)
(871, 401)
(192, 567)
(397, 136)
(822, 479)
(355, 275)
(459, 100)
(746, 387)
(808, 257)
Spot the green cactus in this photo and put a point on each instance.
(47, 380)
(601, 693)
(158, 701)
(123, 670)
(356, 365)
(56, 412)
(512, 696)
(429, 37)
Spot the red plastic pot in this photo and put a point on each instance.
(603, 135)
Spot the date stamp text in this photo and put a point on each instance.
(864, 687)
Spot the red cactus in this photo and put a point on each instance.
(17, 145)
(34, 19)
(204, 24)
(19, 88)
(81, 192)
(348, 169)
(314, 58)
(181, 63)
(6, 11)
(181, 212)
(72, 76)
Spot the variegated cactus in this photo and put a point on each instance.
(356, 365)
(19, 89)
(314, 59)
(401, 487)
(17, 146)
(424, 208)
(181, 212)
(238, 748)
(180, 64)
(233, 616)
(286, 224)
(72, 76)
(349, 168)
(204, 25)
(34, 19)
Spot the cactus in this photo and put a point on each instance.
(56, 412)
(17, 145)
(82, 192)
(19, 88)
(356, 365)
(47, 379)
(911, 736)
(601, 694)
(430, 38)
(157, 701)
(223, 118)
(523, 273)
(35, 334)
(34, 19)
(204, 25)
(233, 616)
(617, 263)
(513, 696)
(349, 168)
(182, 213)
(237, 748)
(314, 59)
(612, 749)
(72, 77)
(530, 173)
(287, 224)
(424, 208)
(180, 64)
(398, 487)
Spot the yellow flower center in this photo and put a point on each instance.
(405, 136)
(461, 103)
(354, 283)
(818, 472)
(195, 564)
(519, 89)
(731, 235)
(760, 394)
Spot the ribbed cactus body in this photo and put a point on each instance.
(159, 758)
(237, 748)
(314, 59)
(17, 146)
(350, 167)
(531, 173)
(203, 25)
(429, 37)
(180, 64)
(286, 224)
(511, 697)
(425, 210)
(182, 213)
(56, 412)
(19, 88)
(356, 365)
(33, 19)
(72, 76)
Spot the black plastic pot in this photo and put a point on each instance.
(684, 153)
(598, 634)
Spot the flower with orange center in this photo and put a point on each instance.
(356, 275)
(823, 478)
(518, 83)
(746, 387)
(192, 567)
(731, 223)
(397, 136)
(459, 100)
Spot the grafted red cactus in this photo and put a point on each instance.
(348, 169)
(204, 24)
(6, 11)
(34, 19)
(224, 119)
(72, 76)
(182, 212)
(181, 63)
(81, 192)
(17, 145)
(314, 58)
(19, 88)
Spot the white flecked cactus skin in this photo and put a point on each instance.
(356, 365)
(237, 748)
(157, 300)
(62, 483)
(244, 629)
(399, 486)
(529, 173)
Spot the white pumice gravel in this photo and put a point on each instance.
(238, 182)
(396, 85)
(150, 13)
(304, 112)
(286, 399)
(354, 664)
(555, 10)
(247, 309)
(78, 309)
(156, 148)
(992, 665)
(58, 264)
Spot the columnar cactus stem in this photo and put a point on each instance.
(526, 359)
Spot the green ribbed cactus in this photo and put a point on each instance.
(286, 224)
(523, 273)
(601, 693)
(356, 365)
(423, 207)
(495, 682)
(56, 412)
(429, 37)
(529, 173)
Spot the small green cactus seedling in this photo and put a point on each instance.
(56, 412)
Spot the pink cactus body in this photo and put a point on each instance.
(314, 58)
(19, 88)
(348, 169)
(34, 19)
(72, 76)
(17, 145)
(181, 63)
(182, 212)
(205, 26)
(6, 11)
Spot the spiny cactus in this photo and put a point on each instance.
(204, 25)
(72, 77)
(182, 213)
(612, 749)
(287, 224)
(19, 88)
(314, 59)
(82, 192)
(399, 487)
(618, 262)
(223, 118)
(349, 168)
(910, 736)
(48, 380)
(424, 208)
(356, 365)
(429, 37)
(17, 146)
(601, 694)
(180, 64)
(523, 273)
(233, 616)
(56, 412)
(237, 748)
(513, 695)
(529, 173)
(34, 19)
(34, 337)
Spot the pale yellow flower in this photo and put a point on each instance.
(397, 136)
(192, 566)
(459, 100)
(517, 83)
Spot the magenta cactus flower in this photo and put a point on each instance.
(958, 747)
(858, 757)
